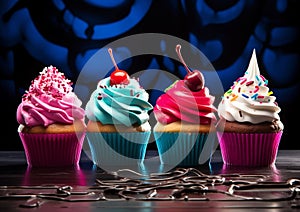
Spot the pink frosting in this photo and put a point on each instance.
(49, 100)
(179, 103)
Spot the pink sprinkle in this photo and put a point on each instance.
(256, 89)
(243, 81)
(249, 83)
(263, 78)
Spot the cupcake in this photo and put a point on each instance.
(51, 121)
(249, 129)
(185, 128)
(118, 128)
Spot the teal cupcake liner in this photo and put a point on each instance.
(184, 149)
(118, 148)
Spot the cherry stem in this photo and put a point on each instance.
(112, 58)
(178, 47)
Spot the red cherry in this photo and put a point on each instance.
(194, 79)
(117, 76)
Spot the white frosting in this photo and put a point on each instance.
(249, 98)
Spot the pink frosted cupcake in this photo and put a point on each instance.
(51, 121)
(249, 129)
(185, 131)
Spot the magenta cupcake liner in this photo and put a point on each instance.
(121, 149)
(45, 150)
(249, 149)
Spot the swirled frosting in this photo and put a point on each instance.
(49, 100)
(125, 104)
(179, 103)
(249, 98)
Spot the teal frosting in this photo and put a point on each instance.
(119, 104)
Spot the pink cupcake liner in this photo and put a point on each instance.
(249, 149)
(52, 149)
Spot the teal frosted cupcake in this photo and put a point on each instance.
(118, 128)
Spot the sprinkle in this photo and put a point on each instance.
(260, 97)
(254, 96)
(240, 112)
(138, 95)
(239, 90)
(249, 83)
(264, 79)
(228, 92)
(99, 97)
(257, 78)
(244, 95)
(131, 92)
(243, 81)
(266, 82)
(233, 98)
(256, 89)
(270, 93)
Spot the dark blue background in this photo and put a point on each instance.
(65, 33)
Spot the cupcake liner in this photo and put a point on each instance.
(181, 149)
(52, 149)
(249, 149)
(118, 148)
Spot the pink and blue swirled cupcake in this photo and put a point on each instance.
(118, 128)
(249, 129)
(51, 121)
(185, 114)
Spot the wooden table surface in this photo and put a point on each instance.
(89, 188)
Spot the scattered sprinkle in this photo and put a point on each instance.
(249, 83)
(234, 98)
(254, 96)
(244, 95)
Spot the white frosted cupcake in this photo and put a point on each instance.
(249, 129)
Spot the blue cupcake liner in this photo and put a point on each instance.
(184, 149)
(118, 148)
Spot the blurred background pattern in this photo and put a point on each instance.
(65, 33)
